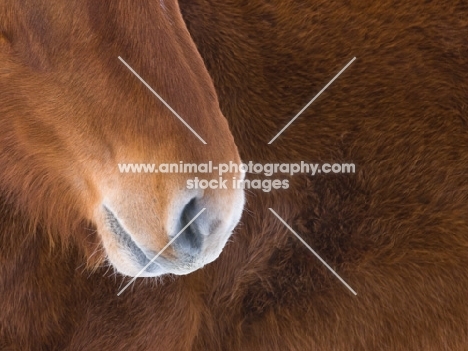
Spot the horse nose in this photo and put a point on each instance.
(190, 229)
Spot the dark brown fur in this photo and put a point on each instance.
(396, 231)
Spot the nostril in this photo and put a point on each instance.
(190, 241)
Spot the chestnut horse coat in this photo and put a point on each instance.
(396, 230)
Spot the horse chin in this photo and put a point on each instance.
(125, 262)
(133, 264)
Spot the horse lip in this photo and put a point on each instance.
(127, 243)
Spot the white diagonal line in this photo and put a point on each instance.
(316, 254)
(160, 252)
(311, 101)
(162, 100)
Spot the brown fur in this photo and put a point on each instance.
(396, 231)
